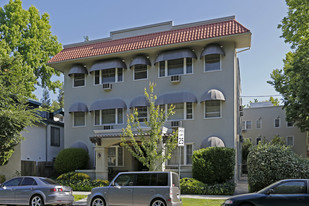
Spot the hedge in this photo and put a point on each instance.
(71, 159)
(213, 165)
(268, 163)
(193, 186)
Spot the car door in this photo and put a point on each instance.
(121, 191)
(288, 193)
(145, 188)
(7, 191)
(23, 192)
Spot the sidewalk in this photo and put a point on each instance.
(242, 186)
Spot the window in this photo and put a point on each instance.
(115, 156)
(277, 122)
(28, 181)
(212, 62)
(246, 124)
(142, 113)
(259, 123)
(140, 72)
(212, 109)
(175, 67)
(296, 187)
(183, 111)
(79, 119)
(108, 76)
(189, 152)
(290, 124)
(258, 140)
(79, 80)
(186, 155)
(125, 180)
(55, 136)
(108, 116)
(13, 182)
(290, 141)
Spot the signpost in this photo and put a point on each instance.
(181, 143)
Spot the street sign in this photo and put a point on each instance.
(164, 130)
(181, 137)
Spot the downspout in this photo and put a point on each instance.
(46, 142)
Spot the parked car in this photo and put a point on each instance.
(285, 192)
(139, 189)
(34, 191)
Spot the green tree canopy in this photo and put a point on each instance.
(26, 34)
(292, 81)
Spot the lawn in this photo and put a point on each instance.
(79, 197)
(200, 202)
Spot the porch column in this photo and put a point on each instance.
(101, 169)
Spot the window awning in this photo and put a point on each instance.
(108, 64)
(173, 98)
(140, 101)
(78, 69)
(108, 104)
(212, 142)
(78, 107)
(213, 94)
(175, 54)
(140, 60)
(212, 49)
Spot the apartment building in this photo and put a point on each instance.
(195, 67)
(263, 121)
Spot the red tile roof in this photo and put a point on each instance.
(219, 29)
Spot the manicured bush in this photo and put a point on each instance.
(2, 178)
(71, 159)
(193, 186)
(268, 163)
(213, 165)
(80, 181)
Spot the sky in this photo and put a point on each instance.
(71, 20)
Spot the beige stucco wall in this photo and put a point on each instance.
(268, 116)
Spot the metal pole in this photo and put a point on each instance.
(179, 156)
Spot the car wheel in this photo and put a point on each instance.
(97, 201)
(158, 202)
(36, 200)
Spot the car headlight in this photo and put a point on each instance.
(228, 202)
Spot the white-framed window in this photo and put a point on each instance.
(277, 122)
(247, 124)
(212, 109)
(140, 72)
(54, 136)
(183, 111)
(79, 119)
(115, 156)
(79, 80)
(142, 113)
(186, 155)
(212, 62)
(289, 124)
(108, 76)
(175, 67)
(290, 141)
(108, 117)
(259, 123)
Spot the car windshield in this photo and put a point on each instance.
(49, 181)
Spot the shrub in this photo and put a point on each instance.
(71, 159)
(193, 186)
(2, 179)
(213, 164)
(268, 163)
(74, 176)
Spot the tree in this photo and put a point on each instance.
(45, 100)
(26, 34)
(15, 114)
(149, 147)
(292, 81)
(60, 97)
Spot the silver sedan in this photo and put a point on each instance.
(34, 191)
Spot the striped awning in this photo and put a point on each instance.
(108, 104)
(78, 69)
(139, 101)
(175, 54)
(213, 94)
(108, 64)
(173, 98)
(212, 49)
(140, 60)
(78, 107)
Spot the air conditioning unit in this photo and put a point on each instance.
(175, 124)
(107, 86)
(108, 127)
(175, 78)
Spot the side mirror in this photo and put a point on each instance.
(270, 191)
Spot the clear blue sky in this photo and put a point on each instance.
(73, 19)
